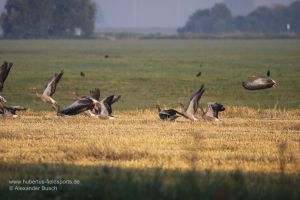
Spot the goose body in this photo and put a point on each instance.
(80, 105)
(259, 84)
(169, 115)
(104, 108)
(11, 111)
(212, 113)
(49, 90)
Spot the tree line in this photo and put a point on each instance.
(48, 18)
(218, 19)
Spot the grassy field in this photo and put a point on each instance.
(150, 72)
(252, 153)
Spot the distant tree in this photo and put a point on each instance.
(263, 20)
(48, 18)
(217, 19)
(293, 12)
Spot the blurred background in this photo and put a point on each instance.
(92, 18)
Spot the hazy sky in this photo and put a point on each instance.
(153, 13)
(156, 13)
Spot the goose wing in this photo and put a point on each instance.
(105, 106)
(80, 105)
(14, 109)
(95, 94)
(4, 71)
(51, 86)
(115, 99)
(194, 100)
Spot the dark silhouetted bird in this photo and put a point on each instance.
(169, 115)
(4, 71)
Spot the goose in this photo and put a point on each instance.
(169, 115)
(193, 105)
(50, 90)
(260, 83)
(80, 105)
(103, 110)
(82, 74)
(212, 113)
(10, 111)
(4, 71)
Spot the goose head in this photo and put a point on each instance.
(215, 108)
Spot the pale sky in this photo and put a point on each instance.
(156, 13)
(153, 13)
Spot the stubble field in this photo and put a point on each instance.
(253, 152)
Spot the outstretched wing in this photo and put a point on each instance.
(14, 109)
(115, 99)
(4, 71)
(95, 94)
(79, 106)
(51, 86)
(194, 100)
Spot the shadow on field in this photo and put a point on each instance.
(102, 182)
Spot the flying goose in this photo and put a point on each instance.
(212, 113)
(169, 115)
(193, 105)
(49, 90)
(4, 71)
(103, 109)
(80, 105)
(10, 111)
(260, 83)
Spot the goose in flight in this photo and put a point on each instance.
(10, 111)
(80, 105)
(191, 109)
(104, 108)
(49, 90)
(212, 113)
(260, 83)
(4, 71)
(169, 115)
